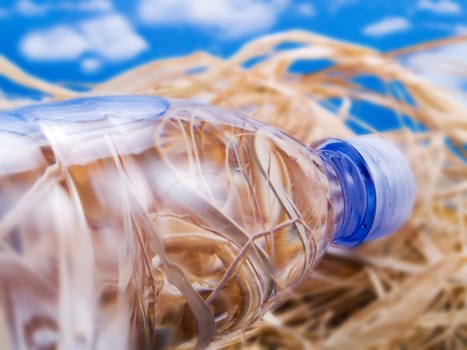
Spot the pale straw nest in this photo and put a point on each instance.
(406, 291)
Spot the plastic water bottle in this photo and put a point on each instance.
(142, 222)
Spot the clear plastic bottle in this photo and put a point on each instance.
(141, 222)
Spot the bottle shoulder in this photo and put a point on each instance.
(223, 213)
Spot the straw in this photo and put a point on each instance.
(406, 291)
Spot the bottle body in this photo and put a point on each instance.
(159, 225)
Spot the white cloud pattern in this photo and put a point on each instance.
(460, 29)
(110, 37)
(440, 7)
(441, 66)
(386, 26)
(229, 18)
(33, 8)
(57, 43)
(306, 9)
(90, 65)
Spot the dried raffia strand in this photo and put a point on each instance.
(406, 290)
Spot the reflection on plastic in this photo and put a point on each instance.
(138, 222)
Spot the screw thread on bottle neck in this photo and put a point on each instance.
(352, 192)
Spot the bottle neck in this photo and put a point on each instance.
(352, 189)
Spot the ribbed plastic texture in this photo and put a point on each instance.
(374, 184)
(393, 180)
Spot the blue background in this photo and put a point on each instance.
(414, 21)
(76, 42)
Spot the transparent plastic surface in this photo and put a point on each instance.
(176, 225)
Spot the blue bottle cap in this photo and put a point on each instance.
(376, 190)
(393, 182)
